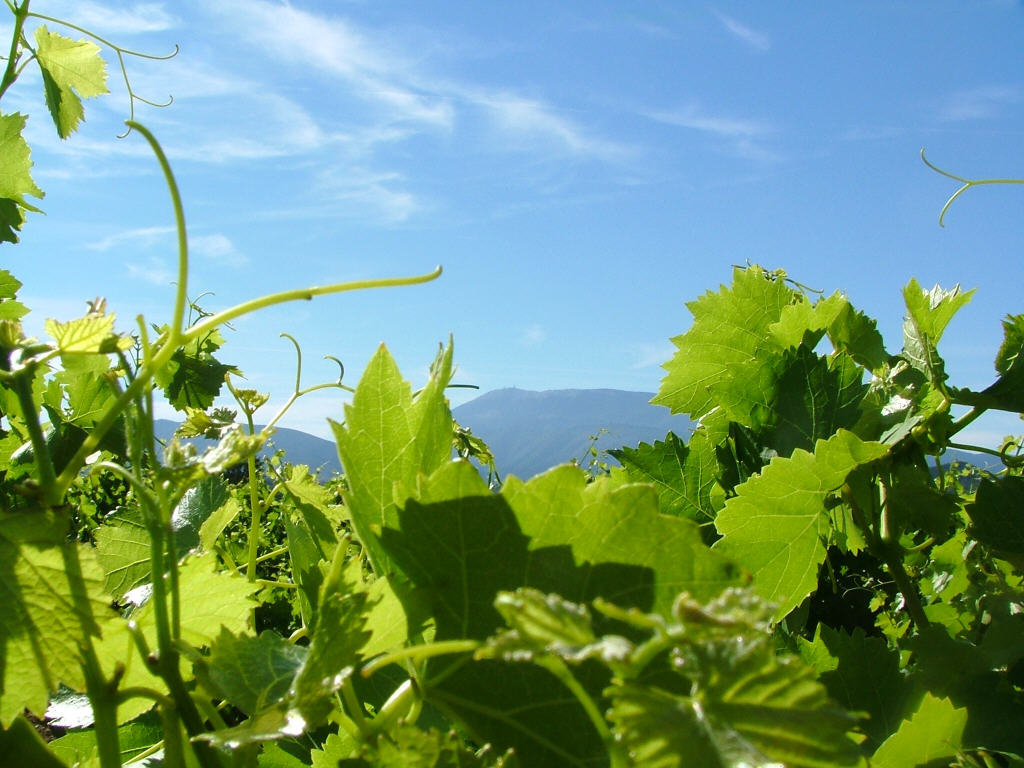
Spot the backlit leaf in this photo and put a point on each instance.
(778, 524)
(72, 70)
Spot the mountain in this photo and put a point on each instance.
(529, 432)
(299, 447)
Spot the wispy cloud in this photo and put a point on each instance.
(336, 47)
(751, 37)
(531, 120)
(144, 237)
(130, 18)
(742, 137)
(151, 270)
(533, 335)
(695, 118)
(983, 103)
(362, 192)
(650, 354)
(405, 92)
(217, 248)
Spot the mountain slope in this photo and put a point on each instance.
(529, 432)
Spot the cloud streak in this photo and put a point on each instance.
(983, 103)
(749, 36)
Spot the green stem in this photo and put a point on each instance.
(558, 668)
(44, 462)
(418, 652)
(10, 72)
(245, 308)
(180, 298)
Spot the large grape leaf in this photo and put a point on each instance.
(816, 397)
(997, 514)
(933, 733)
(288, 692)
(735, 701)
(460, 545)
(71, 70)
(52, 596)
(863, 675)
(777, 525)
(389, 437)
(209, 601)
(683, 474)
(731, 332)
(15, 179)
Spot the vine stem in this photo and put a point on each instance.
(966, 184)
(167, 345)
(417, 652)
(10, 72)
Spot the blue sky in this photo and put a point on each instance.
(580, 169)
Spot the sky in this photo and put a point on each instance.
(581, 170)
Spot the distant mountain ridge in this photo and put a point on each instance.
(529, 431)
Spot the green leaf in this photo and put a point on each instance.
(20, 744)
(9, 285)
(856, 334)
(730, 335)
(390, 437)
(209, 601)
(778, 524)
(123, 551)
(997, 514)
(735, 701)
(71, 69)
(192, 381)
(460, 545)
(863, 675)
(51, 592)
(410, 747)
(816, 397)
(309, 697)
(549, 625)
(928, 313)
(93, 334)
(1007, 393)
(683, 474)
(15, 178)
(252, 673)
(804, 323)
(931, 735)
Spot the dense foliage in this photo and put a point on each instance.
(800, 582)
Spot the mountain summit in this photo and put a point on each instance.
(529, 432)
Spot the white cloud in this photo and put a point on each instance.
(142, 237)
(693, 117)
(743, 137)
(650, 354)
(533, 119)
(336, 47)
(981, 103)
(103, 19)
(533, 335)
(217, 248)
(151, 270)
(757, 40)
(356, 191)
(405, 93)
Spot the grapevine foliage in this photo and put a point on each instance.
(799, 582)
